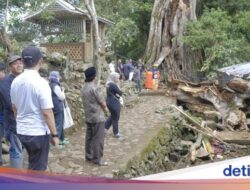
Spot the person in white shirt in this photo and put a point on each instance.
(58, 98)
(111, 67)
(32, 105)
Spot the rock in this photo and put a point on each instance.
(73, 165)
(78, 76)
(173, 157)
(78, 68)
(79, 169)
(182, 150)
(68, 171)
(219, 156)
(108, 175)
(151, 156)
(44, 51)
(57, 167)
(201, 153)
(56, 58)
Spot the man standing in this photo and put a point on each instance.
(128, 69)
(141, 68)
(120, 68)
(2, 75)
(137, 79)
(94, 107)
(32, 105)
(15, 146)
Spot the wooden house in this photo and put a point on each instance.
(68, 19)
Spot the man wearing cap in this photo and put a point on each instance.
(15, 147)
(2, 75)
(32, 105)
(94, 107)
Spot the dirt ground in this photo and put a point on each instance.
(138, 125)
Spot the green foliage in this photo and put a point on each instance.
(23, 31)
(18, 29)
(124, 32)
(231, 6)
(218, 37)
(132, 18)
(66, 38)
(17, 49)
(243, 24)
(47, 16)
(129, 34)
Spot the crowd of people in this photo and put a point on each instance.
(130, 70)
(32, 108)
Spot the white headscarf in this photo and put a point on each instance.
(112, 78)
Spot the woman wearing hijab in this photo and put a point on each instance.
(58, 98)
(113, 95)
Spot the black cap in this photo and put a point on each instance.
(90, 74)
(31, 56)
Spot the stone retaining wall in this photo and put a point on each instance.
(163, 153)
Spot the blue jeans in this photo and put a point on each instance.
(59, 119)
(15, 150)
(1, 137)
(138, 85)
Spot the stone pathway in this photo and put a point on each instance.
(138, 125)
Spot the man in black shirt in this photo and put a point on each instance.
(15, 151)
(2, 75)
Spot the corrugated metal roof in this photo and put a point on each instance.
(63, 6)
(238, 70)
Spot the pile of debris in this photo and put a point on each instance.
(222, 109)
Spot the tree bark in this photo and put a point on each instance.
(96, 38)
(228, 104)
(155, 32)
(5, 40)
(4, 37)
(166, 31)
(237, 137)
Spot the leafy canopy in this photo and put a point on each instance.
(222, 40)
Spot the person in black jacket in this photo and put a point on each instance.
(113, 95)
(15, 146)
(2, 75)
(58, 98)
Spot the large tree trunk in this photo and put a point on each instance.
(4, 37)
(96, 38)
(155, 33)
(5, 40)
(165, 40)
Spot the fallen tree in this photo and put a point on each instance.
(224, 105)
